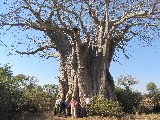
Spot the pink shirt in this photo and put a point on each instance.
(73, 102)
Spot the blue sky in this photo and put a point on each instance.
(144, 64)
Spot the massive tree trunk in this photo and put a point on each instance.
(84, 66)
(84, 70)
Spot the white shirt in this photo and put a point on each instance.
(88, 100)
(57, 101)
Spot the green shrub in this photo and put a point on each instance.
(129, 100)
(104, 107)
(20, 94)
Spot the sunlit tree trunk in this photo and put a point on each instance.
(85, 71)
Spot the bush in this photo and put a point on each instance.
(129, 100)
(104, 107)
(20, 94)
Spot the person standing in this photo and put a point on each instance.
(63, 105)
(88, 103)
(83, 108)
(56, 107)
(73, 108)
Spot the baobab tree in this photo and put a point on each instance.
(84, 35)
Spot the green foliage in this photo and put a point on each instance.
(8, 93)
(129, 100)
(104, 107)
(151, 87)
(21, 93)
(153, 96)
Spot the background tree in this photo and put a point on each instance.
(21, 94)
(6, 92)
(154, 95)
(85, 35)
(151, 87)
(127, 97)
(126, 81)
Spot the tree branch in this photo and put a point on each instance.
(140, 14)
(55, 55)
(153, 7)
(59, 16)
(36, 14)
(79, 19)
(29, 24)
(93, 14)
(35, 51)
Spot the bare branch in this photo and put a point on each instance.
(151, 11)
(120, 36)
(95, 22)
(36, 14)
(79, 19)
(55, 55)
(140, 14)
(93, 14)
(29, 24)
(40, 8)
(12, 24)
(61, 21)
(59, 16)
(57, 29)
(35, 51)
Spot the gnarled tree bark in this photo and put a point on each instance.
(85, 70)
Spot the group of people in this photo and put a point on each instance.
(61, 105)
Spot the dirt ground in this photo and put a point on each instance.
(49, 116)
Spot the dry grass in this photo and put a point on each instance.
(49, 116)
